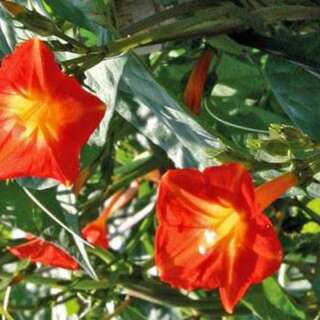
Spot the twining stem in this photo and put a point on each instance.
(227, 123)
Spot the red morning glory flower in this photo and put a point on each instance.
(45, 116)
(212, 232)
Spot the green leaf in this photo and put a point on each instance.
(93, 15)
(16, 205)
(69, 11)
(104, 79)
(10, 33)
(67, 202)
(277, 297)
(228, 45)
(298, 91)
(311, 227)
(73, 307)
(7, 34)
(314, 205)
(316, 286)
(239, 98)
(238, 80)
(270, 302)
(302, 49)
(313, 190)
(147, 106)
(98, 11)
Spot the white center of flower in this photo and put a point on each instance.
(210, 237)
(202, 250)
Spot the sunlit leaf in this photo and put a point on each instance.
(146, 104)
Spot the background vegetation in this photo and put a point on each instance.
(260, 107)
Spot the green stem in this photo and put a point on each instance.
(186, 28)
(76, 44)
(311, 214)
(119, 309)
(105, 255)
(139, 168)
(287, 13)
(227, 123)
(148, 290)
(210, 23)
(174, 12)
(43, 303)
(5, 314)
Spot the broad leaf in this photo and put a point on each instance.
(7, 34)
(11, 32)
(104, 80)
(67, 202)
(93, 15)
(146, 104)
(16, 205)
(270, 302)
(297, 89)
(238, 81)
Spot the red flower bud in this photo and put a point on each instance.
(196, 83)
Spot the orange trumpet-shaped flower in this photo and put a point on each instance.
(212, 232)
(197, 80)
(96, 231)
(45, 252)
(45, 116)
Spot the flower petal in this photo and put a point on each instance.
(96, 233)
(236, 277)
(258, 256)
(266, 245)
(180, 262)
(234, 183)
(45, 252)
(185, 200)
(44, 112)
(272, 190)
